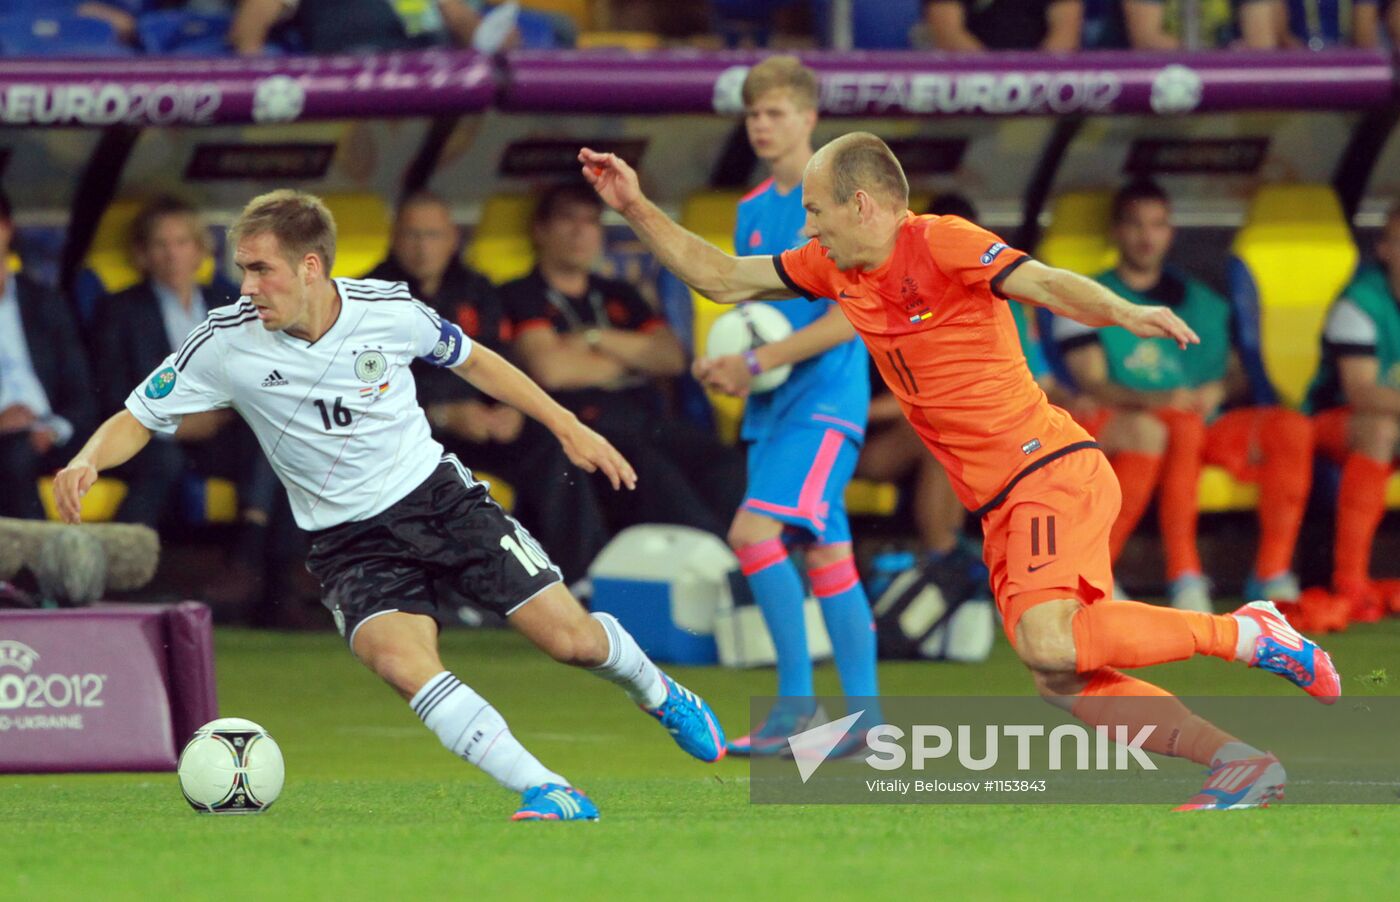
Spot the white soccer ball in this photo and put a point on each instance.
(746, 327)
(231, 766)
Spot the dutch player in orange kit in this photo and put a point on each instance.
(926, 294)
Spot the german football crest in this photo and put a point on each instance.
(370, 366)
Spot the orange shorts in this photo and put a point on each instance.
(1049, 539)
(1331, 427)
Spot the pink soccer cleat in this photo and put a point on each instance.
(1283, 650)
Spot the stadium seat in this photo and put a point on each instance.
(1078, 239)
(502, 492)
(500, 245)
(1290, 259)
(362, 225)
(109, 256)
(99, 505)
(625, 40)
(59, 36)
(1077, 236)
(580, 11)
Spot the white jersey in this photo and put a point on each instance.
(338, 417)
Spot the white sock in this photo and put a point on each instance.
(472, 729)
(1249, 635)
(1234, 751)
(629, 667)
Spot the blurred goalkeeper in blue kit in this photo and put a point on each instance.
(804, 435)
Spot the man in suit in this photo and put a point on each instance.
(557, 503)
(45, 389)
(137, 329)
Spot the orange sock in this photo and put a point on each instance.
(1177, 507)
(1112, 699)
(1285, 478)
(1133, 634)
(1360, 506)
(1137, 476)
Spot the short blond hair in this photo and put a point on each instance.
(299, 221)
(782, 72)
(861, 161)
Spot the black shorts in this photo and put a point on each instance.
(445, 543)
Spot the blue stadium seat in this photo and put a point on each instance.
(172, 32)
(61, 35)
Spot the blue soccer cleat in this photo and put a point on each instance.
(555, 802)
(690, 722)
(771, 737)
(1242, 783)
(1283, 650)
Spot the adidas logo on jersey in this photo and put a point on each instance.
(273, 380)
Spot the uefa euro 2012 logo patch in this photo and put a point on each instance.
(161, 384)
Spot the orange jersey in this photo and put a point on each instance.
(945, 342)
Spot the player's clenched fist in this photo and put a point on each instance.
(609, 174)
(590, 451)
(1161, 322)
(69, 487)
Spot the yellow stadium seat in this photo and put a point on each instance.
(1298, 248)
(99, 505)
(581, 11)
(362, 226)
(625, 40)
(865, 498)
(220, 501)
(711, 215)
(1218, 492)
(502, 492)
(1077, 238)
(110, 254)
(500, 246)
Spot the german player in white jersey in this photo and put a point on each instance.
(319, 367)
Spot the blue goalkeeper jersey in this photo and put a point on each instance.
(831, 390)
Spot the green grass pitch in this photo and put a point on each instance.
(374, 808)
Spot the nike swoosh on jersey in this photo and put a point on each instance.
(1030, 569)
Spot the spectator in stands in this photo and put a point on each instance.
(138, 328)
(1050, 25)
(1355, 398)
(45, 389)
(1158, 25)
(347, 26)
(122, 21)
(1319, 24)
(553, 498)
(599, 348)
(1203, 398)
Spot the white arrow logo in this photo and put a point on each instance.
(812, 747)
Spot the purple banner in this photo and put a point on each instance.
(220, 91)
(931, 84)
(117, 687)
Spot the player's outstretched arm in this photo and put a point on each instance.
(113, 444)
(1072, 295)
(721, 277)
(497, 377)
(730, 374)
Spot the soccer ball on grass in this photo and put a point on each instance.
(231, 766)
